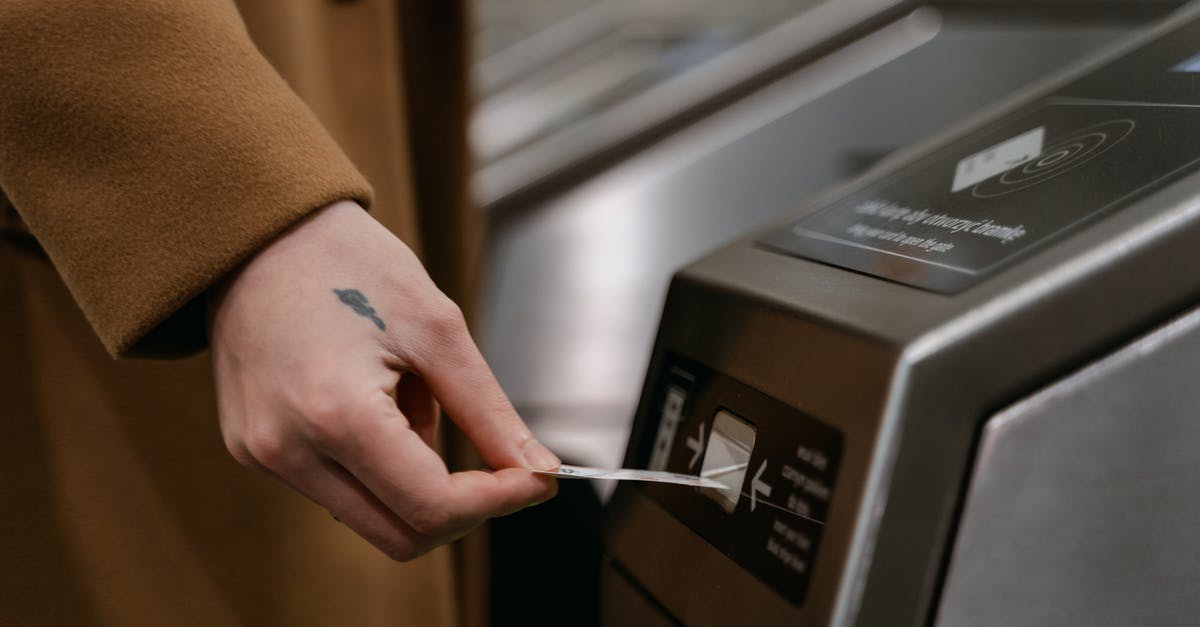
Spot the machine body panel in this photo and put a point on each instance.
(890, 363)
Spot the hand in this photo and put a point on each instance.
(331, 350)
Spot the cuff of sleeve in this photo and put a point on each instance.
(172, 322)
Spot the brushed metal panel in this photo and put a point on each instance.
(1083, 507)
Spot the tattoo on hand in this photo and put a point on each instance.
(359, 304)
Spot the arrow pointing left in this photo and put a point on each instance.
(758, 485)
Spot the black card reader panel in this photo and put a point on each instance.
(772, 523)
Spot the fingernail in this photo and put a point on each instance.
(538, 457)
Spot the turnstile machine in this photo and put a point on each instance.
(957, 391)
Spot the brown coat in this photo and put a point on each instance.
(150, 148)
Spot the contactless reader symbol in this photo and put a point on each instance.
(1060, 157)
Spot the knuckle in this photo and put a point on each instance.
(396, 546)
(265, 447)
(445, 320)
(240, 454)
(400, 552)
(431, 522)
(323, 412)
(326, 424)
(318, 400)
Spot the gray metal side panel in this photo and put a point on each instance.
(1085, 504)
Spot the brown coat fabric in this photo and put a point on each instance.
(150, 148)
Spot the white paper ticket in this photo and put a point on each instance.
(632, 474)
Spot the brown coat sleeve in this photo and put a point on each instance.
(151, 148)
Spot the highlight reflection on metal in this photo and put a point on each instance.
(598, 55)
(595, 80)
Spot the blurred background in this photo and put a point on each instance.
(618, 139)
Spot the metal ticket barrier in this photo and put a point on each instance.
(576, 281)
(956, 391)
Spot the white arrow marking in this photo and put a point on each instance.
(758, 485)
(722, 470)
(696, 446)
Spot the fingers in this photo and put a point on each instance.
(293, 460)
(463, 383)
(352, 504)
(395, 492)
(396, 465)
(367, 464)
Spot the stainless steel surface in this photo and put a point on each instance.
(1082, 507)
(575, 284)
(907, 375)
(595, 82)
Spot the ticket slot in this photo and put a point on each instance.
(778, 464)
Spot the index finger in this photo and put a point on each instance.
(400, 469)
(464, 385)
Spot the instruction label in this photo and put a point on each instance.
(966, 210)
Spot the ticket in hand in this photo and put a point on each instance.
(632, 474)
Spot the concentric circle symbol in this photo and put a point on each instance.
(1060, 157)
